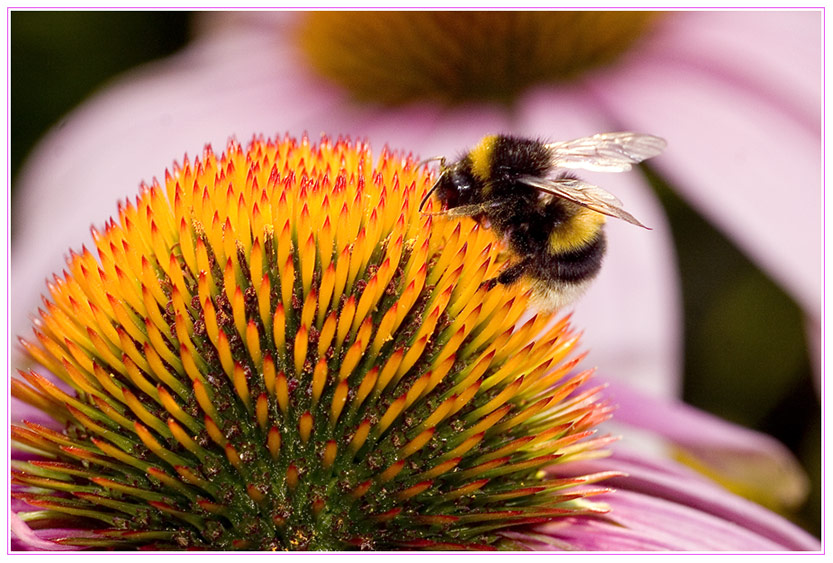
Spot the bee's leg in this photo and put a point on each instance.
(510, 274)
(470, 210)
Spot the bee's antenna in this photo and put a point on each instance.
(427, 195)
(437, 183)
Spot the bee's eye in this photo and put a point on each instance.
(463, 185)
(453, 191)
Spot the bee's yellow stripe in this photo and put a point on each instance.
(481, 157)
(577, 231)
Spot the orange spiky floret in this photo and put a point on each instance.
(277, 350)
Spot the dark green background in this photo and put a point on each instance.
(746, 356)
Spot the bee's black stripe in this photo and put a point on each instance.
(571, 267)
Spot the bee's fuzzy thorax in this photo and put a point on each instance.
(515, 157)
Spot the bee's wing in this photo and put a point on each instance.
(583, 193)
(605, 152)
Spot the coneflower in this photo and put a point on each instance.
(277, 350)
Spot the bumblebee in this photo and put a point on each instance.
(551, 221)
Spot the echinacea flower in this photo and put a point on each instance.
(276, 350)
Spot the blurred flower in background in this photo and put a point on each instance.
(736, 94)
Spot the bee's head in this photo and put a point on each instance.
(455, 186)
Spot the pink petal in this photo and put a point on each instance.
(640, 522)
(737, 96)
(25, 539)
(773, 53)
(754, 461)
(674, 501)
